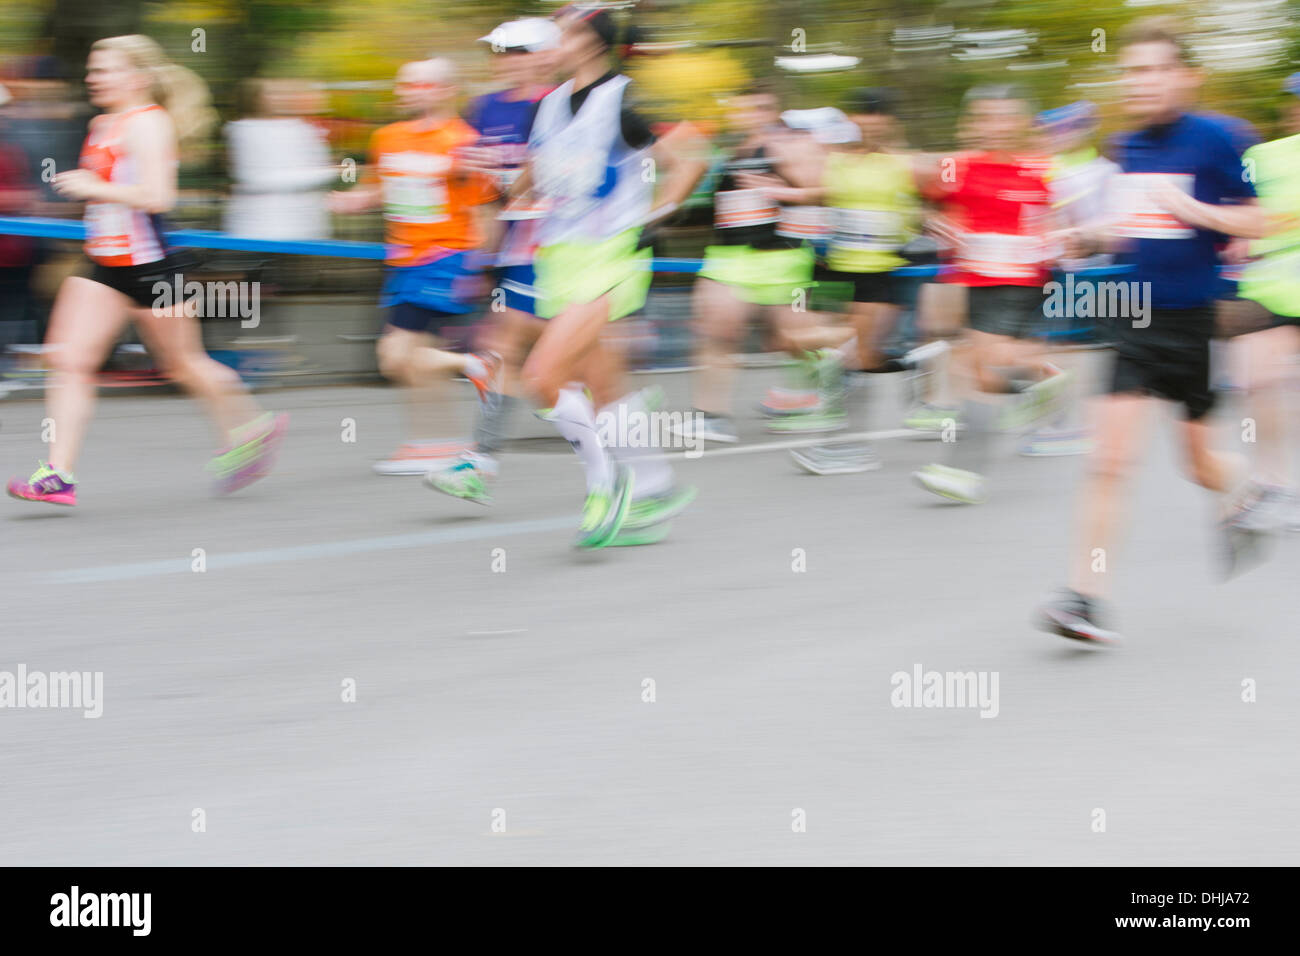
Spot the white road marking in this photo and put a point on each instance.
(335, 549)
(216, 561)
(827, 438)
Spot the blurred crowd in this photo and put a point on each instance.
(42, 123)
(274, 145)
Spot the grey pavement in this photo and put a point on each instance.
(487, 697)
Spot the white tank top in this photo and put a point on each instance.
(596, 185)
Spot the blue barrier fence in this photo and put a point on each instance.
(343, 249)
(667, 314)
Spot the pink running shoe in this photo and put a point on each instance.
(779, 402)
(46, 485)
(245, 463)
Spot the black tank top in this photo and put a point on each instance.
(743, 217)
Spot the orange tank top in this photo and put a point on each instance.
(117, 234)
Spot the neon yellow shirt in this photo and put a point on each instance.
(874, 206)
(1274, 280)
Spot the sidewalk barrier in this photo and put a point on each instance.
(294, 342)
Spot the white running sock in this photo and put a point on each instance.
(575, 419)
(653, 474)
(941, 391)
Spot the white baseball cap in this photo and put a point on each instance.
(828, 125)
(531, 34)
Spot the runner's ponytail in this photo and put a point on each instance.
(181, 92)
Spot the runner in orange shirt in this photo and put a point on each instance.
(436, 222)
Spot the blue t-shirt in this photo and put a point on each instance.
(504, 125)
(1205, 154)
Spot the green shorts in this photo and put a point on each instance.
(760, 276)
(578, 272)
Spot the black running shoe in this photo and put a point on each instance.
(1074, 615)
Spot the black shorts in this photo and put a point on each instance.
(140, 283)
(416, 318)
(1169, 358)
(867, 286)
(1276, 321)
(1011, 310)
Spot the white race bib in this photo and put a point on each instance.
(1139, 216)
(1000, 256)
(804, 222)
(569, 181)
(108, 229)
(1274, 267)
(413, 198)
(735, 208)
(866, 230)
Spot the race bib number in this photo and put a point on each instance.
(413, 198)
(866, 230)
(526, 207)
(743, 207)
(415, 187)
(1000, 256)
(108, 229)
(1139, 216)
(1283, 266)
(569, 180)
(804, 222)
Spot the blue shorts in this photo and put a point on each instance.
(519, 285)
(420, 297)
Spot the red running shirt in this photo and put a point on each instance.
(1001, 209)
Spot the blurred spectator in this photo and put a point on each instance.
(17, 253)
(48, 124)
(279, 165)
(43, 126)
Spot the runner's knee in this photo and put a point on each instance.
(393, 356)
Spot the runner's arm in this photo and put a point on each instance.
(362, 198)
(685, 154)
(522, 185)
(802, 165)
(489, 227)
(778, 190)
(1245, 220)
(151, 140)
(367, 194)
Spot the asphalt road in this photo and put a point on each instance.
(499, 714)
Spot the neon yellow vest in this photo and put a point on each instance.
(873, 206)
(1274, 280)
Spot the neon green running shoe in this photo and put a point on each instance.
(809, 423)
(634, 537)
(1036, 403)
(252, 454)
(605, 511)
(955, 484)
(932, 418)
(465, 477)
(656, 509)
